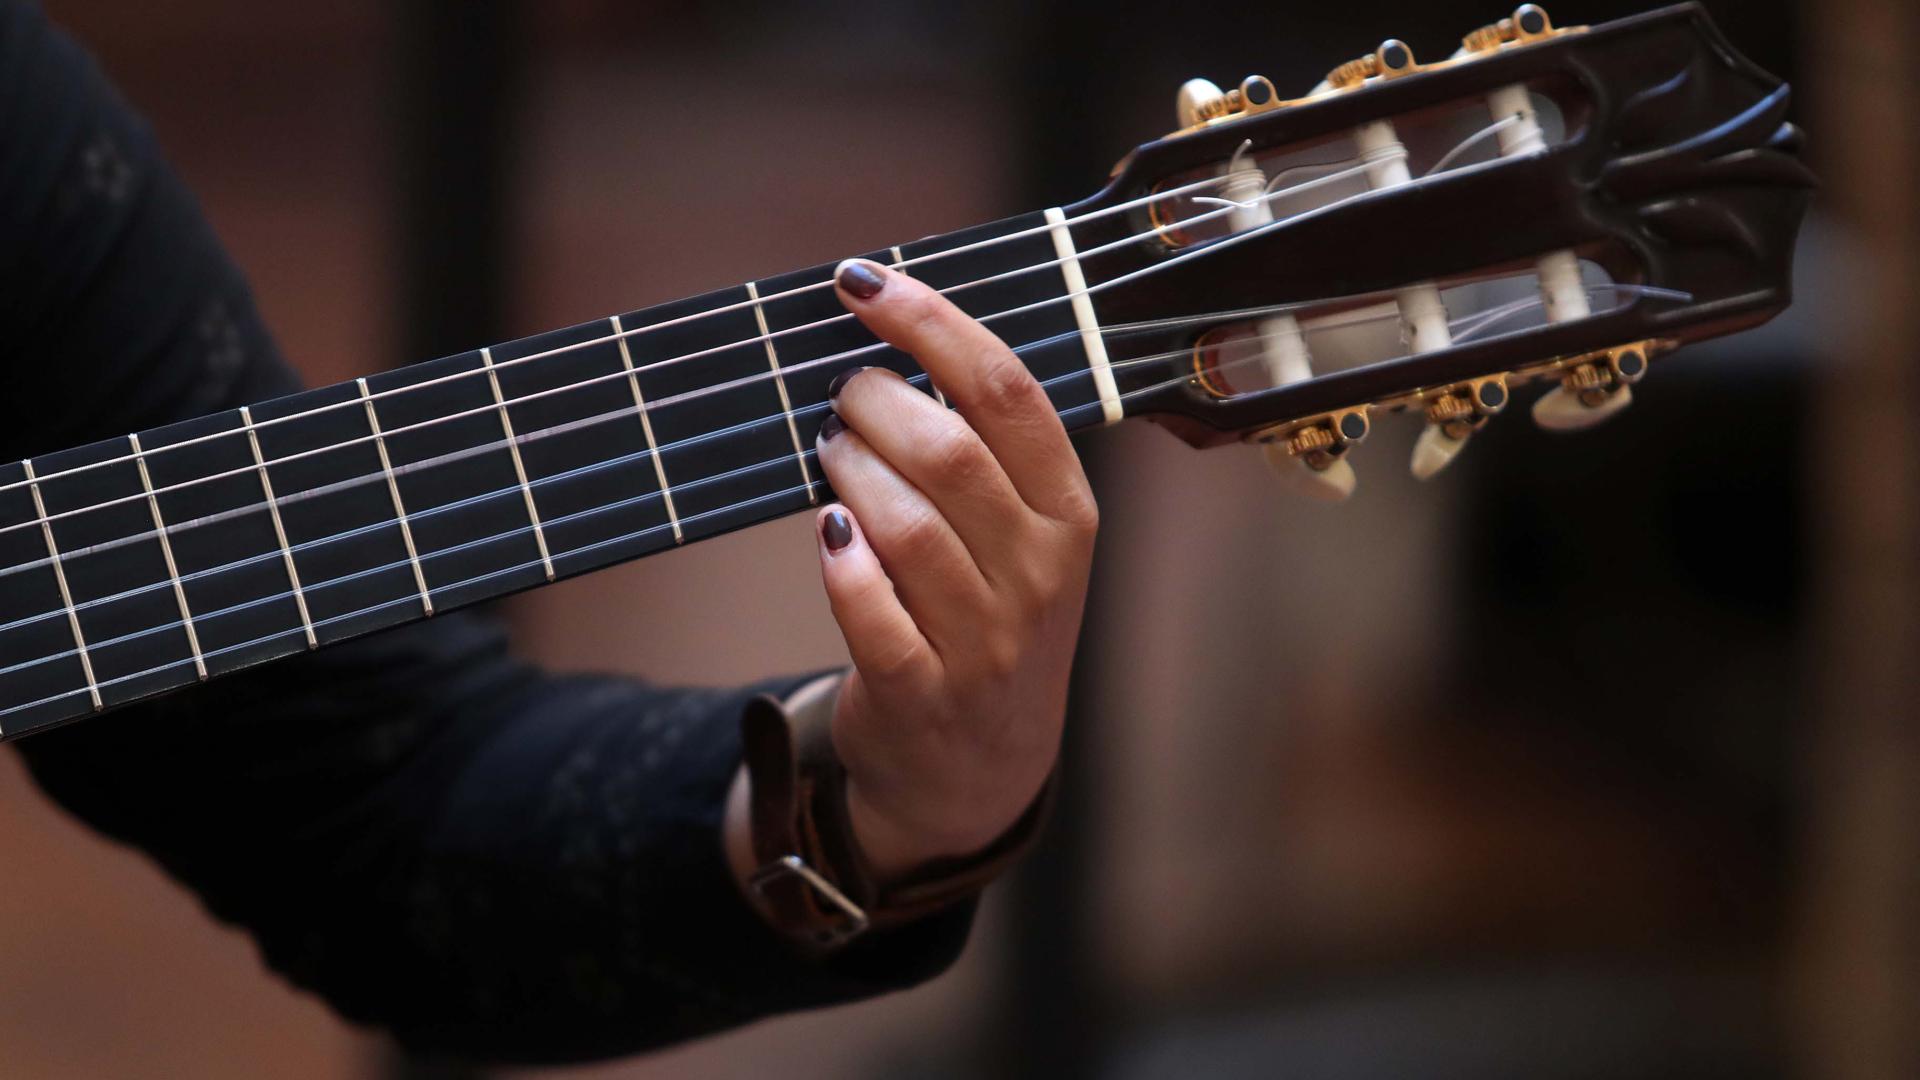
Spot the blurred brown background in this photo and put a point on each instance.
(1592, 758)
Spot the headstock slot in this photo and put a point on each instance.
(1231, 357)
(1255, 184)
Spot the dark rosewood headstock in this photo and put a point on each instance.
(1546, 203)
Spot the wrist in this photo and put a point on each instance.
(823, 862)
(894, 849)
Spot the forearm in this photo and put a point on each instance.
(506, 866)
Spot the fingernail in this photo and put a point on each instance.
(831, 427)
(839, 382)
(862, 279)
(836, 530)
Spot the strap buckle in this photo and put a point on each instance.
(793, 866)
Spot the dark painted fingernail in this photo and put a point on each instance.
(839, 382)
(831, 427)
(836, 530)
(863, 279)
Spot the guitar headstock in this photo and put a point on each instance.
(1544, 204)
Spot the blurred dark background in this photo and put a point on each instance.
(1591, 758)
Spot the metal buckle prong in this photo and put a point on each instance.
(794, 866)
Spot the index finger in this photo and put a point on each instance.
(979, 374)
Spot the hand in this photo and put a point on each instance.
(957, 570)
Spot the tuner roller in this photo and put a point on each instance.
(1565, 409)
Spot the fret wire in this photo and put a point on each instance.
(279, 528)
(519, 468)
(166, 552)
(66, 595)
(729, 508)
(399, 507)
(646, 425)
(780, 384)
(797, 290)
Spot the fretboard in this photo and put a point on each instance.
(146, 563)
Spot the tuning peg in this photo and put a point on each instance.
(1311, 458)
(1592, 389)
(1198, 101)
(1453, 415)
(1435, 450)
(1561, 409)
(1331, 482)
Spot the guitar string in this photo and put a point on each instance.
(1337, 322)
(677, 321)
(624, 374)
(413, 598)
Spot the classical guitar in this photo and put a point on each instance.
(1547, 204)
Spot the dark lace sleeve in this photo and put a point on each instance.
(487, 860)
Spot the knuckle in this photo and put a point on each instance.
(1079, 513)
(1006, 381)
(894, 659)
(916, 532)
(1036, 596)
(1002, 655)
(956, 453)
(923, 311)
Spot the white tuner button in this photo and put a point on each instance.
(1435, 450)
(1332, 483)
(1453, 415)
(1560, 409)
(1194, 100)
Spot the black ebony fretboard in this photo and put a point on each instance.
(296, 533)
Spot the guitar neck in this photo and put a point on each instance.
(146, 563)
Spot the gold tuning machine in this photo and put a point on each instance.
(1594, 386)
(1528, 23)
(1202, 104)
(1454, 413)
(1310, 456)
(1391, 60)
